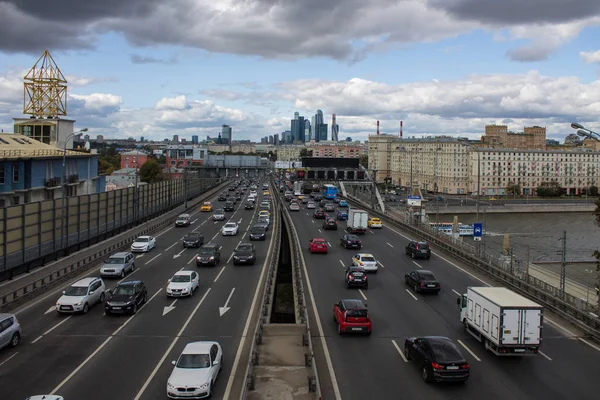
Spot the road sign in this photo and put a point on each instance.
(413, 201)
(477, 231)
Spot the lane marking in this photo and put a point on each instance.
(229, 259)
(8, 359)
(399, 351)
(128, 275)
(341, 262)
(53, 328)
(389, 244)
(329, 244)
(175, 340)
(468, 349)
(417, 264)
(411, 295)
(362, 294)
(244, 235)
(216, 234)
(371, 232)
(108, 339)
(194, 221)
(191, 259)
(219, 275)
(152, 259)
(380, 264)
(163, 232)
(312, 220)
(458, 294)
(140, 256)
(171, 246)
(544, 354)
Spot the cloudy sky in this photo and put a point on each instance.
(156, 68)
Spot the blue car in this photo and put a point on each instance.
(342, 215)
(343, 203)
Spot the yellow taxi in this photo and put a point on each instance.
(264, 213)
(206, 207)
(301, 197)
(374, 222)
(266, 193)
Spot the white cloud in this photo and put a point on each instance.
(590, 57)
(172, 103)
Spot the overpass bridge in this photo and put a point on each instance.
(274, 319)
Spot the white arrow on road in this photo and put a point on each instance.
(140, 255)
(170, 308)
(51, 309)
(178, 254)
(225, 308)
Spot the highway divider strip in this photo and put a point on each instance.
(78, 264)
(524, 284)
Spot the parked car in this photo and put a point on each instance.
(206, 207)
(229, 206)
(342, 215)
(183, 283)
(343, 203)
(374, 222)
(258, 232)
(143, 244)
(417, 249)
(438, 357)
(193, 239)
(126, 297)
(249, 205)
(294, 206)
(230, 229)
(330, 224)
(10, 330)
(319, 214)
(82, 295)
(366, 261)
(352, 316)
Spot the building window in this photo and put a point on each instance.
(2, 174)
(16, 173)
(16, 200)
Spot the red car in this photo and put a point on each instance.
(352, 316)
(317, 245)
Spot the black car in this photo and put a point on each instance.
(244, 253)
(319, 214)
(222, 197)
(193, 239)
(126, 297)
(439, 359)
(263, 221)
(330, 224)
(349, 241)
(356, 277)
(249, 205)
(228, 206)
(422, 281)
(417, 249)
(209, 255)
(258, 232)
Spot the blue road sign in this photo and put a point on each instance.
(414, 197)
(477, 229)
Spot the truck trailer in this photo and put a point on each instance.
(357, 221)
(506, 322)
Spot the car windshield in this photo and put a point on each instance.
(181, 278)
(206, 251)
(318, 242)
(244, 247)
(220, 211)
(230, 225)
(258, 229)
(142, 240)
(445, 351)
(124, 290)
(352, 237)
(191, 236)
(115, 260)
(76, 291)
(194, 361)
(368, 258)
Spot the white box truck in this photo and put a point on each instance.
(506, 322)
(297, 188)
(357, 221)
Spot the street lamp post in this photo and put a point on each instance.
(63, 180)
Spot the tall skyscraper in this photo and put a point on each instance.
(270, 139)
(175, 139)
(276, 139)
(195, 139)
(335, 129)
(322, 132)
(313, 128)
(294, 129)
(318, 122)
(296, 115)
(297, 128)
(306, 130)
(226, 134)
(287, 137)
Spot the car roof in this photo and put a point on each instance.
(119, 254)
(356, 268)
(198, 347)
(129, 283)
(366, 255)
(184, 272)
(318, 239)
(192, 233)
(259, 226)
(184, 215)
(231, 223)
(3, 315)
(209, 245)
(354, 304)
(438, 339)
(85, 281)
(141, 237)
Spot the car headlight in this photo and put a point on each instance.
(78, 304)
(203, 386)
(211, 258)
(235, 257)
(169, 386)
(185, 290)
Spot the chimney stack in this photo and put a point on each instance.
(400, 129)
(378, 127)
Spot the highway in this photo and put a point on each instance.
(101, 357)
(373, 367)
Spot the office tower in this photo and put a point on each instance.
(276, 139)
(225, 134)
(270, 139)
(313, 128)
(318, 122)
(287, 137)
(296, 115)
(175, 138)
(294, 129)
(335, 129)
(306, 130)
(87, 137)
(322, 132)
(195, 139)
(300, 133)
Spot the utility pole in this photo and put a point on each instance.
(527, 266)
(563, 266)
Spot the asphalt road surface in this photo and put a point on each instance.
(99, 357)
(373, 367)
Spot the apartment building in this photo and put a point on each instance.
(336, 149)
(289, 152)
(449, 165)
(532, 138)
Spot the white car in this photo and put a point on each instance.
(311, 205)
(183, 283)
(365, 260)
(230, 229)
(143, 244)
(219, 215)
(294, 206)
(195, 371)
(82, 295)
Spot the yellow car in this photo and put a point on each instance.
(266, 193)
(264, 213)
(374, 223)
(206, 207)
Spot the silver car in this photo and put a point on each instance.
(82, 295)
(10, 330)
(118, 265)
(219, 215)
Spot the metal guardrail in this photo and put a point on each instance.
(267, 299)
(82, 263)
(314, 385)
(575, 310)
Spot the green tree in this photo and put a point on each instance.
(108, 160)
(550, 189)
(364, 160)
(513, 189)
(592, 191)
(150, 171)
(306, 153)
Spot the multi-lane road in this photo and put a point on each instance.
(374, 367)
(95, 356)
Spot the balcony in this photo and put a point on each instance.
(73, 179)
(52, 182)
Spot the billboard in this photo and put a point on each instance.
(330, 162)
(288, 164)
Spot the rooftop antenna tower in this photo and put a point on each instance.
(45, 89)
(378, 127)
